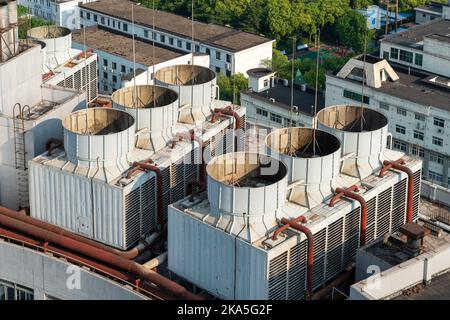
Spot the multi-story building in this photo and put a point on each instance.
(268, 102)
(425, 47)
(428, 12)
(116, 61)
(417, 104)
(64, 13)
(229, 50)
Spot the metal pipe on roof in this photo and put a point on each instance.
(100, 255)
(228, 111)
(157, 261)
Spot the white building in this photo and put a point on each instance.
(416, 103)
(428, 12)
(116, 62)
(63, 65)
(30, 113)
(65, 13)
(425, 47)
(229, 50)
(268, 101)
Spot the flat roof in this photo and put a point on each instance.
(412, 86)
(211, 34)
(120, 45)
(437, 289)
(433, 7)
(414, 36)
(282, 95)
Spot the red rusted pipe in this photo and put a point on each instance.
(339, 195)
(399, 165)
(349, 193)
(228, 111)
(100, 255)
(76, 259)
(52, 144)
(283, 228)
(310, 254)
(130, 254)
(159, 187)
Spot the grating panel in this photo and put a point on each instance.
(278, 277)
(383, 212)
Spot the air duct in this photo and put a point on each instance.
(363, 133)
(247, 189)
(155, 110)
(100, 139)
(312, 170)
(196, 88)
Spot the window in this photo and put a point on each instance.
(218, 55)
(287, 122)
(105, 62)
(418, 135)
(275, 118)
(105, 75)
(384, 106)
(197, 48)
(114, 23)
(394, 53)
(105, 88)
(12, 291)
(102, 20)
(406, 56)
(400, 129)
(208, 52)
(266, 83)
(418, 60)
(218, 70)
(228, 73)
(261, 112)
(437, 141)
(95, 18)
(418, 152)
(123, 69)
(355, 96)
(179, 43)
(125, 27)
(114, 65)
(188, 46)
(145, 34)
(228, 58)
(436, 157)
(171, 41)
(434, 176)
(81, 13)
(386, 55)
(114, 78)
(400, 145)
(419, 116)
(439, 122)
(401, 111)
(162, 38)
(88, 15)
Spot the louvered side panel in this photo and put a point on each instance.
(278, 277)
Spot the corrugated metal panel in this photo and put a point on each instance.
(61, 198)
(109, 215)
(201, 254)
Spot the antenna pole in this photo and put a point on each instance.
(153, 55)
(134, 57)
(316, 93)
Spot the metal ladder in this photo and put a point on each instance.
(20, 154)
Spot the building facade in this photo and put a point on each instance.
(64, 13)
(416, 103)
(231, 51)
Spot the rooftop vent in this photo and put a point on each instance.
(155, 110)
(363, 134)
(99, 138)
(312, 161)
(196, 88)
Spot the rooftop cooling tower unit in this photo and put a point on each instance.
(363, 133)
(196, 88)
(155, 110)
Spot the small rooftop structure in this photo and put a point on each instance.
(260, 72)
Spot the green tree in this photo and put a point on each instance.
(351, 31)
(229, 85)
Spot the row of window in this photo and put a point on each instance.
(419, 135)
(407, 56)
(276, 117)
(187, 45)
(12, 291)
(355, 96)
(438, 122)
